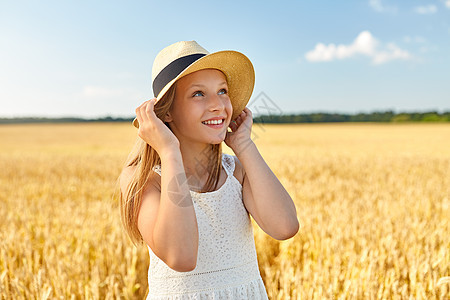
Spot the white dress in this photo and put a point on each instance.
(227, 266)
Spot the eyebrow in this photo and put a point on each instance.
(202, 85)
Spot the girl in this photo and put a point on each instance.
(183, 197)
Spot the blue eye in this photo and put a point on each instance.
(200, 92)
(197, 92)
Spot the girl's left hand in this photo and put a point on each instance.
(241, 128)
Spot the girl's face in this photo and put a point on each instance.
(201, 96)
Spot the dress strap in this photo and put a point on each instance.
(228, 164)
(157, 169)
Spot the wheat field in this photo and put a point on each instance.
(372, 200)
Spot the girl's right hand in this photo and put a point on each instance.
(153, 131)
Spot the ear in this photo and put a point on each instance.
(168, 117)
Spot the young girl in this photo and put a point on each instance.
(183, 197)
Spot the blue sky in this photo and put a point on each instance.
(94, 58)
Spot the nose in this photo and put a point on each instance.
(216, 103)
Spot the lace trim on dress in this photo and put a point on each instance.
(252, 290)
(211, 280)
(227, 163)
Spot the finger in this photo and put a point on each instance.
(150, 109)
(144, 114)
(138, 114)
(142, 104)
(138, 118)
(233, 125)
(239, 120)
(246, 114)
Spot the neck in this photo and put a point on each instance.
(196, 159)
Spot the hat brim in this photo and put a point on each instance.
(239, 73)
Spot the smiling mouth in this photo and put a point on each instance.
(215, 123)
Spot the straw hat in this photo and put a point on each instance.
(185, 57)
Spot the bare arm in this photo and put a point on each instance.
(167, 220)
(265, 197)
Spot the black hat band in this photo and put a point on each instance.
(172, 70)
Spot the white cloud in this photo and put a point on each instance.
(364, 44)
(423, 45)
(426, 10)
(426, 49)
(393, 52)
(414, 39)
(446, 3)
(377, 6)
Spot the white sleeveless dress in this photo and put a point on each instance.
(227, 266)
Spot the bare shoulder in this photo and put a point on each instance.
(125, 178)
(239, 171)
(127, 174)
(149, 205)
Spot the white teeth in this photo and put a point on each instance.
(213, 122)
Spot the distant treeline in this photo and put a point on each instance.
(388, 116)
(60, 120)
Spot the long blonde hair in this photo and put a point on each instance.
(144, 158)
